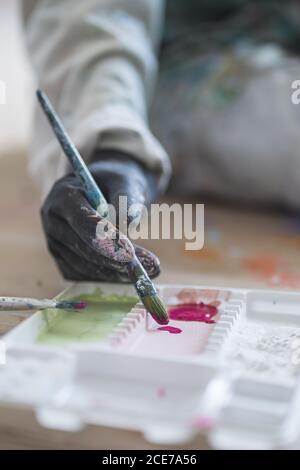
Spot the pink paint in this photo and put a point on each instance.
(159, 320)
(204, 422)
(80, 305)
(171, 329)
(194, 312)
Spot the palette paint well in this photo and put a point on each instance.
(102, 314)
(204, 313)
(186, 334)
(201, 312)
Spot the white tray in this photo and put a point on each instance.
(170, 387)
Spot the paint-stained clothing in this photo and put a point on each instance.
(222, 103)
(96, 59)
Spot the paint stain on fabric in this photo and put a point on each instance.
(102, 314)
(201, 312)
(170, 329)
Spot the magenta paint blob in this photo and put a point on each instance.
(171, 329)
(201, 312)
(80, 305)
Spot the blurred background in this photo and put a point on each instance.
(16, 74)
(25, 268)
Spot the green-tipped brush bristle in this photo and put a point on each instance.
(147, 292)
(156, 308)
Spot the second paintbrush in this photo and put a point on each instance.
(19, 304)
(136, 272)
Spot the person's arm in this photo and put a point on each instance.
(96, 61)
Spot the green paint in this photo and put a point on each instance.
(94, 323)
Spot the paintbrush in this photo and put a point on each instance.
(21, 304)
(136, 272)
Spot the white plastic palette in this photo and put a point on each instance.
(171, 387)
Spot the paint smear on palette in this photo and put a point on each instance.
(201, 312)
(171, 329)
(103, 313)
(195, 296)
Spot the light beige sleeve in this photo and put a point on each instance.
(96, 59)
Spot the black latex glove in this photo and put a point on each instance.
(70, 222)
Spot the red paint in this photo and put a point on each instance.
(171, 329)
(158, 319)
(80, 305)
(202, 312)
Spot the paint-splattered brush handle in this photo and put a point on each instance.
(22, 304)
(92, 191)
(138, 275)
(143, 285)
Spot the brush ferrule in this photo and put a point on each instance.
(145, 288)
(142, 283)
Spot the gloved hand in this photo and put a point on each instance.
(70, 223)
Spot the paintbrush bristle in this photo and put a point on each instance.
(147, 292)
(156, 308)
(67, 305)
